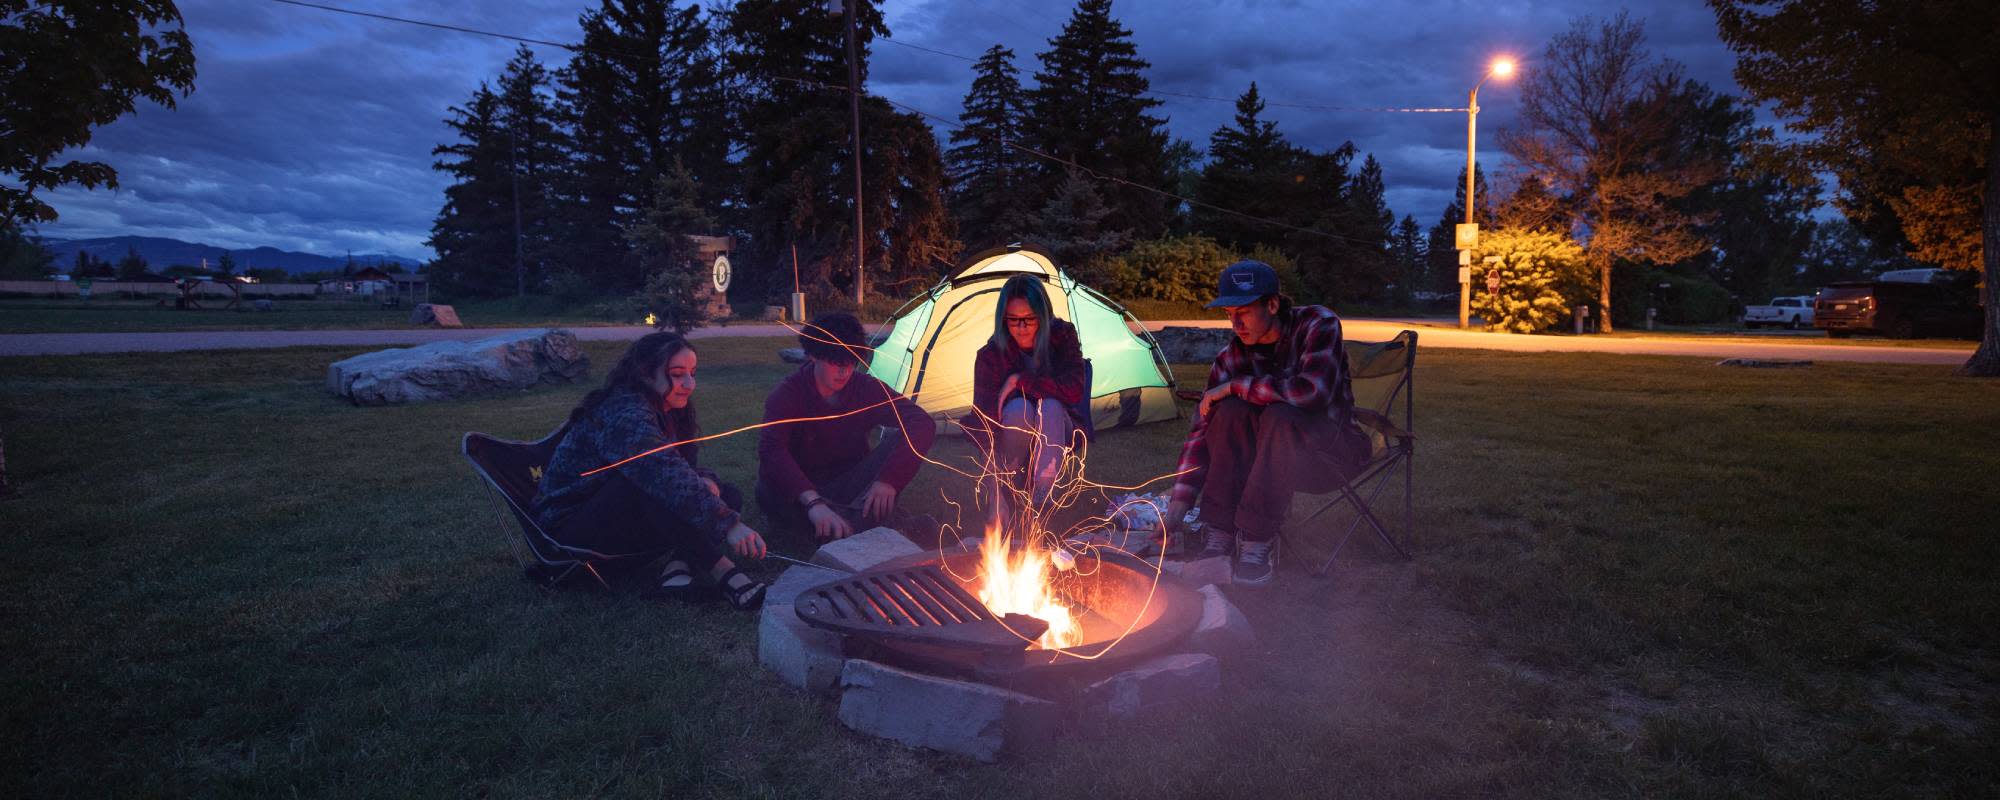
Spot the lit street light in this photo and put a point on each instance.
(1468, 233)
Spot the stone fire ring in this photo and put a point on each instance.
(1170, 615)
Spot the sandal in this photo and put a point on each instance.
(676, 582)
(747, 597)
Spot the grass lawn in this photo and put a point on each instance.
(1635, 576)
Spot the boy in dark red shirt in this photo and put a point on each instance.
(822, 476)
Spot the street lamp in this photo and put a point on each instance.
(1468, 234)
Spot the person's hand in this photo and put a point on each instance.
(1211, 397)
(745, 542)
(1013, 382)
(879, 500)
(827, 523)
(1175, 517)
(712, 487)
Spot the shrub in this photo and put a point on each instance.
(1542, 275)
(1689, 299)
(1177, 269)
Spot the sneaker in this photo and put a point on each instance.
(1254, 563)
(1216, 543)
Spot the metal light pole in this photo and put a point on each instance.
(1468, 234)
(854, 113)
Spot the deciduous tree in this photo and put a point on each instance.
(1899, 96)
(67, 67)
(1601, 124)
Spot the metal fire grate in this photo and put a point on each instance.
(916, 604)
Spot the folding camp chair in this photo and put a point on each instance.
(513, 470)
(1381, 374)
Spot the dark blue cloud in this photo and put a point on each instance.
(312, 131)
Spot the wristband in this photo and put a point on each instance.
(817, 501)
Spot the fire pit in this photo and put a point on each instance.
(949, 614)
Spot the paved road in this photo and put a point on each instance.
(1430, 333)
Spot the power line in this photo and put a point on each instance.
(1069, 163)
(925, 49)
(427, 24)
(1316, 107)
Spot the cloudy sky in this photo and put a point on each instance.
(311, 130)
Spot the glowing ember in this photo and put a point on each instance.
(1017, 582)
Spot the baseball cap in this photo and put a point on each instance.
(1243, 283)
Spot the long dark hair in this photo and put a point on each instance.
(642, 360)
(1029, 288)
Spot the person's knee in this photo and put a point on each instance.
(1017, 413)
(1232, 416)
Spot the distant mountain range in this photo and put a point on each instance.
(162, 253)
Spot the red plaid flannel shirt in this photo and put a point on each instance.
(1310, 373)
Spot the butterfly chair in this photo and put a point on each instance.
(513, 470)
(1382, 373)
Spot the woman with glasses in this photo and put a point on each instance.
(1026, 379)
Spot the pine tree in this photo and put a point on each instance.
(225, 264)
(644, 89)
(1323, 209)
(536, 158)
(991, 196)
(1251, 170)
(1368, 227)
(472, 232)
(789, 59)
(673, 290)
(1407, 251)
(1074, 227)
(1089, 108)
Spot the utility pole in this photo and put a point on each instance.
(854, 113)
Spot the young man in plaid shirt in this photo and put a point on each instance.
(1277, 418)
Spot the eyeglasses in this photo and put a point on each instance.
(1022, 322)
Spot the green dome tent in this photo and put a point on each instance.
(927, 349)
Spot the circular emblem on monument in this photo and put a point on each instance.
(721, 273)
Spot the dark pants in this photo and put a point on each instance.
(620, 519)
(842, 488)
(1258, 456)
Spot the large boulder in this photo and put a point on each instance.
(1182, 345)
(450, 370)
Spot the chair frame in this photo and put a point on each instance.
(1401, 452)
(564, 560)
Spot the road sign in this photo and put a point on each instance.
(1492, 281)
(1466, 235)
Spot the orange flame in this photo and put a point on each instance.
(1016, 581)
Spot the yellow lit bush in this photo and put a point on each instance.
(1542, 274)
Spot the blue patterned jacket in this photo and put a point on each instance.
(627, 424)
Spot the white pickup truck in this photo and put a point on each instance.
(1791, 312)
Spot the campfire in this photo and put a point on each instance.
(1005, 611)
(1021, 580)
